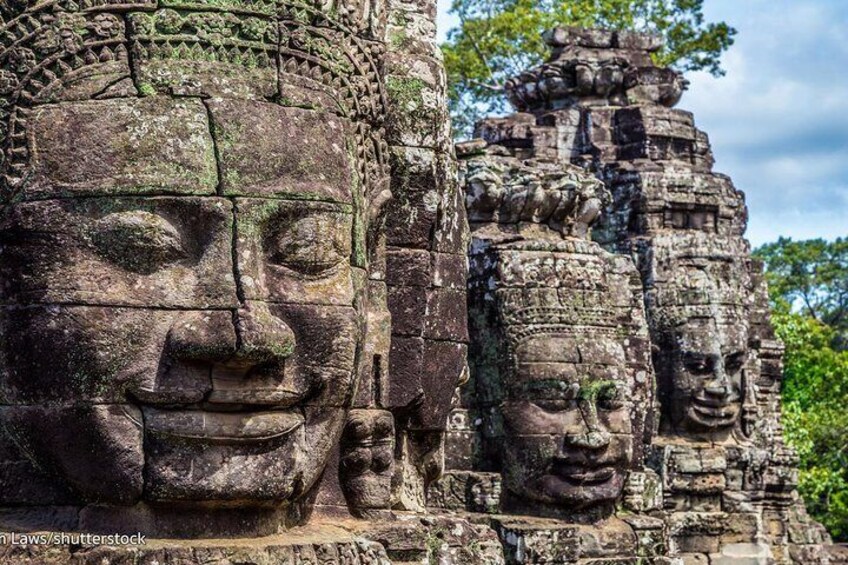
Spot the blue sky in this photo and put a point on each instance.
(778, 121)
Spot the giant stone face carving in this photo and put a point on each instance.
(186, 279)
(700, 317)
(706, 389)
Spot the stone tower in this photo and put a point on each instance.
(716, 471)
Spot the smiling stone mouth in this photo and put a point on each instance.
(222, 426)
(584, 476)
(721, 412)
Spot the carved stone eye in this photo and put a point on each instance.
(138, 241)
(311, 246)
(698, 364)
(734, 362)
(611, 398)
(554, 405)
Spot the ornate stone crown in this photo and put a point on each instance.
(315, 55)
(596, 67)
(507, 191)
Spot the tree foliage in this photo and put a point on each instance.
(811, 277)
(806, 281)
(497, 39)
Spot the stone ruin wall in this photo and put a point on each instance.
(224, 184)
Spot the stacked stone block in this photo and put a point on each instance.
(426, 240)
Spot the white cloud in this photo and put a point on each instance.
(778, 121)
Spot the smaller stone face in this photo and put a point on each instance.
(367, 462)
(705, 391)
(567, 427)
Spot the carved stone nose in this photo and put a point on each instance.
(250, 336)
(261, 336)
(590, 440)
(719, 385)
(202, 336)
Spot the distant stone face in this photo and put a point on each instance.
(572, 365)
(559, 355)
(705, 389)
(700, 307)
(567, 416)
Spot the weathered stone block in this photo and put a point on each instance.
(408, 268)
(264, 149)
(408, 305)
(407, 362)
(417, 183)
(446, 317)
(442, 366)
(415, 89)
(153, 145)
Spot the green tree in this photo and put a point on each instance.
(497, 39)
(815, 393)
(810, 277)
(807, 285)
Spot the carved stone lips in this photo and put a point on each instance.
(721, 402)
(582, 475)
(224, 427)
(714, 410)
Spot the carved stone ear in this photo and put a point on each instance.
(367, 460)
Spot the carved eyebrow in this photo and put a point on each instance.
(551, 388)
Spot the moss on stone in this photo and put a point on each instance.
(406, 92)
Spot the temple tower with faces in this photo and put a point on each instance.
(210, 214)
(725, 480)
